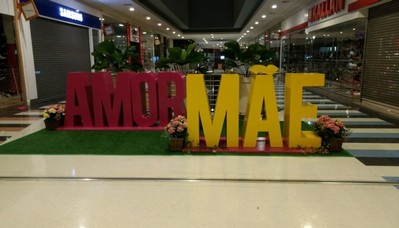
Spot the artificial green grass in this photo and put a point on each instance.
(89, 142)
(110, 143)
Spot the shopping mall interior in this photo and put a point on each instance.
(353, 44)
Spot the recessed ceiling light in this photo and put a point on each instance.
(256, 22)
(264, 16)
(120, 25)
(144, 33)
(131, 9)
(251, 27)
(148, 18)
(159, 24)
(173, 32)
(274, 6)
(167, 29)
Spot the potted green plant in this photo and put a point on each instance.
(240, 60)
(180, 59)
(332, 133)
(110, 58)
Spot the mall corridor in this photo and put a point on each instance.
(207, 191)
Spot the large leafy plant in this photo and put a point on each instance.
(110, 58)
(181, 59)
(242, 59)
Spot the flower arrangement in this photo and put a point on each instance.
(54, 112)
(328, 128)
(177, 127)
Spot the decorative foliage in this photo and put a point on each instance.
(181, 59)
(54, 112)
(108, 57)
(243, 59)
(176, 128)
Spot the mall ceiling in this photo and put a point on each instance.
(208, 22)
(205, 16)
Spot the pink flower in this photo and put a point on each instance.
(177, 127)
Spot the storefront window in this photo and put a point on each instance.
(10, 83)
(336, 51)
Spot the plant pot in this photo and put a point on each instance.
(245, 86)
(176, 144)
(335, 144)
(52, 124)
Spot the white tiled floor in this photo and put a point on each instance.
(186, 204)
(259, 192)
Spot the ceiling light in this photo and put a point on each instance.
(167, 29)
(159, 24)
(178, 34)
(148, 18)
(256, 22)
(264, 16)
(173, 32)
(182, 37)
(120, 25)
(144, 33)
(247, 31)
(274, 6)
(251, 27)
(131, 9)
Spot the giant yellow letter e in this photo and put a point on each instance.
(294, 110)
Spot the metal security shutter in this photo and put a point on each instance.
(58, 48)
(381, 59)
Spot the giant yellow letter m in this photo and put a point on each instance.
(226, 109)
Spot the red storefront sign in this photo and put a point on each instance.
(325, 9)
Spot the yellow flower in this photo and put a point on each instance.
(45, 115)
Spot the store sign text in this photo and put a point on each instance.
(71, 14)
(325, 9)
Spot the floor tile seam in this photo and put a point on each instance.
(382, 182)
(381, 134)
